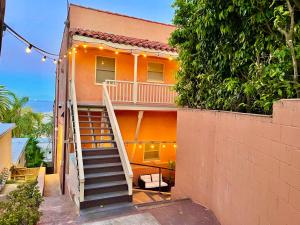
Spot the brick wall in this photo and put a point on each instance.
(244, 167)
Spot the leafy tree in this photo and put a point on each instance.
(28, 123)
(4, 101)
(237, 55)
(33, 154)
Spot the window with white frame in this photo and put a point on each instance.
(151, 152)
(105, 69)
(156, 72)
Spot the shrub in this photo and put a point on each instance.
(22, 206)
(34, 155)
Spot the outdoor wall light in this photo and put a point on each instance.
(140, 146)
(163, 146)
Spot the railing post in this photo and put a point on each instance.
(135, 84)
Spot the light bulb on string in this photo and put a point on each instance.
(44, 59)
(28, 49)
(54, 61)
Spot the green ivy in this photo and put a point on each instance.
(232, 55)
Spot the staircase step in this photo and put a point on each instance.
(107, 210)
(98, 141)
(94, 121)
(105, 187)
(97, 178)
(103, 167)
(99, 151)
(105, 199)
(93, 116)
(94, 159)
(105, 174)
(86, 135)
(96, 128)
(93, 166)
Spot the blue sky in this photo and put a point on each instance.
(42, 23)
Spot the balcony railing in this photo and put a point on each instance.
(140, 92)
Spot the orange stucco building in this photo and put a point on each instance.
(117, 72)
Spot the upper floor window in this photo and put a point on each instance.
(156, 72)
(151, 152)
(105, 69)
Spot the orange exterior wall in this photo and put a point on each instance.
(155, 126)
(244, 167)
(91, 19)
(85, 77)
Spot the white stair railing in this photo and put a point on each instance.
(77, 139)
(118, 138)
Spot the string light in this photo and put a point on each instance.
(84, 46)
(54, 61)
(101, 47)
(28, 49)
(144, 55)
(170, 58)
(45, 54)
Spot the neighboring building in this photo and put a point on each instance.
(114, 103)
(46, 147)
(6, 145)
(18, 151)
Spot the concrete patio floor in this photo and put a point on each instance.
(58, 209)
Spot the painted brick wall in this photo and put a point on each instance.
(244, 167)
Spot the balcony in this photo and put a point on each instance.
(141, 93)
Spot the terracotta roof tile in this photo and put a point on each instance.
(120, 39)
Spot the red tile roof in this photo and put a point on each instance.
(119, 39)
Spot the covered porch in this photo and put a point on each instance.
(137, 73)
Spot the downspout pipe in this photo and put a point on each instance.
(67, 24)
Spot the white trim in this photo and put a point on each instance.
(129, 48)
